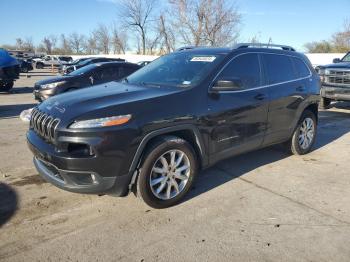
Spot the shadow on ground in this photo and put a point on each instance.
(9, 111)
(8, 203)
(329, 130)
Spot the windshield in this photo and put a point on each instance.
(82, 70)
(182, 69)
(346, 58)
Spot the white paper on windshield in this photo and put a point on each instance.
(208, 59)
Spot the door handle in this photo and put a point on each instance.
(300, 88)
(260, 97)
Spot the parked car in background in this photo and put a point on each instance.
(335, 80)
(90, 61)
(25, 65)
(9, 70)
(62, 67)
(51, 60)
(86, 76)
(185, 111)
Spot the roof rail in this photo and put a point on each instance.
(262, 45)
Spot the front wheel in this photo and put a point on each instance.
(6, 87)
(304, 135)
(167, 172)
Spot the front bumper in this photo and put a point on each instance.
(336, 93)
(79, 175)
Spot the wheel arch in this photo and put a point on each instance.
(189, 133)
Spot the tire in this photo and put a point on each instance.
(325, 102)
(25, 70)
(307, 122)
(39, 66)
(6, 87)
(152, 168)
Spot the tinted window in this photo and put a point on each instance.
(301, 68)
(244, 67)
(279, 68)
(110, 73)
(346, 58)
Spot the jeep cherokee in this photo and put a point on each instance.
(184, 112)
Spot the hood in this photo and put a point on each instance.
(54, 80)
(337, 65)
(101, 99)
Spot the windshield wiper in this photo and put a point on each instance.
(149, 84)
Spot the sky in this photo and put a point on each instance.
(285, 22)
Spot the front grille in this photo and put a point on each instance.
(338, 77)
(44, 125)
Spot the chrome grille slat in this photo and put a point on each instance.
(44, 125)
(340, 77)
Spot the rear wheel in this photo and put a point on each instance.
(304, 135)
(325, 102)
(167, 172)
(39, 66)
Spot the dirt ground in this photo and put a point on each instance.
(261, 206)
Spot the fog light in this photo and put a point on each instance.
(94, 180)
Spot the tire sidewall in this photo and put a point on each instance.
(296, 148)
(143, 181)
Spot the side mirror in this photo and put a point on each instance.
(336, 60)
(232, 84)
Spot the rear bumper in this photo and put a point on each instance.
(336, 93)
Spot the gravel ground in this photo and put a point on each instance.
(261, 206)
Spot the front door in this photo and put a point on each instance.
(238, 119)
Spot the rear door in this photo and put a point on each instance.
(238, 118)
(286, 91)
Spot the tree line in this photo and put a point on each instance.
(338, 43)
(149, 27)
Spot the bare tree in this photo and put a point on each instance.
(103, 38)
(206, 22)
(91, 45)
(77, 42)
(137, 14)
(166, 34)
(341, 40)
(65, 45)
(19, 43)
(119, 40)
(49, 43)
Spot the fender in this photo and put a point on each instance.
(199, 141)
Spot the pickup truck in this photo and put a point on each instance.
(335, 80)
(51, 60)
(9, 70)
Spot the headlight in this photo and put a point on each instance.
(102, 122)
(52, 85)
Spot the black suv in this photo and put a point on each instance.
(335, 81)
(85, 62)
(183, 112)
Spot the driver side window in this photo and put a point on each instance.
(245, 68)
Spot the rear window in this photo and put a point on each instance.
(279, 68)
(301, 69)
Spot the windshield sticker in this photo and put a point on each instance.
(186, 82)
(203, 59)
